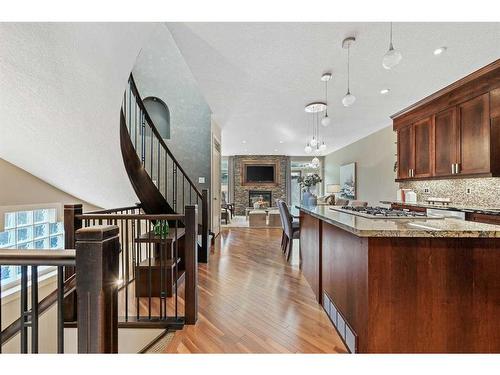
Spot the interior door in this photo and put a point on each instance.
(446, 142)
(405, 151)
(423, 142)
(474, 135)
(216, 186)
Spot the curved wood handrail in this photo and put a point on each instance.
(45, 304)
(140, 103)
(115, 210)
(92, 216)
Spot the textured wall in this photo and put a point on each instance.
(241, 192)
(161, 71)
(374, 156)
(484, 192)
(62, 86)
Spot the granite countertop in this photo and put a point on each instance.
(365, 227)
(451, 206)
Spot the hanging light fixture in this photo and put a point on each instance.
(315, 162)
(348, 99)
(392, 57)
(314, 109)
(325, 121)
(323, 146)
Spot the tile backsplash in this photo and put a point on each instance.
(482, 192)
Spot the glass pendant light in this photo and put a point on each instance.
(314, 142)
(325, 121)
(315, 162)
(392, 57)
(323, 146)
(348, 99)
(308, 149)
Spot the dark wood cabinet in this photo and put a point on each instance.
(454, 132)
(446, 139)
(474, 126)
(406, 147)
(422, 133)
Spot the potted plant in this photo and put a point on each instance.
(308, 198)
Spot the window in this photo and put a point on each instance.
(224, 176)
(30, 229)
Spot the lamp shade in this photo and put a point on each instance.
(333, 188)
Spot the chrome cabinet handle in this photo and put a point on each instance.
(453, 169)
(457, 168)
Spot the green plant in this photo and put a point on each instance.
(162, 229)
(308, 181)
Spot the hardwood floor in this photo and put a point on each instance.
(253, 301)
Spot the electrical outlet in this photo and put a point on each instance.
(468, 190)
(201, 180)
(427, 191)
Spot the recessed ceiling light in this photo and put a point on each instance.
(282, 141)
(385, 91)
(439, 51)
(243, 141)
(275, 150)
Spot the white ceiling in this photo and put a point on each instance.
(62, 86)
(257, 77)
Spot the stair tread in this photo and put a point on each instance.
(150, 237)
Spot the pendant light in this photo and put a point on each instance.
(308, 149)
(348, 99)
(323, 146)
(392, 57)
(315, 162)
(325, 121)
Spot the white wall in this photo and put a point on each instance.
(375, 156)
(62, 85)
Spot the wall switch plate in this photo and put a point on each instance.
(201, 180)
(426, 190)
(468, 190)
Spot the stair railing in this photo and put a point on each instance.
(96, 263)
(162, 167)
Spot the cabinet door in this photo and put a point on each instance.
(474, 136)
(405, 151)
(446, 142)
(423, 135)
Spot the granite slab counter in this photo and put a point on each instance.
(452, 207)
(367, 227)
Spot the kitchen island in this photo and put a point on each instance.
(404, 285)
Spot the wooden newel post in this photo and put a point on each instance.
(71, 225)
(203, 256)
(97, 272)
(191, 261)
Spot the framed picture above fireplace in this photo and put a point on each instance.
(259, 173)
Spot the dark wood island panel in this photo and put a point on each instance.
(415, 295)
(407, 294)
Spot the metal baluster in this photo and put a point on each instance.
(158, 168)
(163, 245)
(183, 190)
(138, 257)
(149, 270)
(176, 277)
(174, 185)
(34, 309)
(143, 139)
(127, 268)
(135, 126)
(60, 309)
(130, 110)
(24, 309)
(151, 150)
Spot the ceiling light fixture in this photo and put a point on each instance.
(440, 50)
(392, 57)
(385, 91)
(243, 141)
(325, 121)
(282, 141)
(348, 99)
(308, 149)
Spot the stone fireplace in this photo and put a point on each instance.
(241, 187)
(255, 195)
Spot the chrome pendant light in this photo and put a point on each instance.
(314, 109)
(392, 57)
(325, 121)
(348, 99)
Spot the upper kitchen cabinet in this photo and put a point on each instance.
(446, 142)
(474, 127)
(454, 132)
(406, 152)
